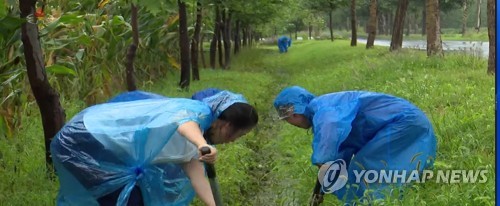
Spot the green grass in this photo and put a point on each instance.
(271, 166)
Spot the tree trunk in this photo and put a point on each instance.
(202, 52)
(408, 25)
(434, 43)
(215, 38)
(372, 24)
(465, 15)
(415, 22)
(184, 45)
(491, 9)
(221, 36)
(237, 40)
(131, 53)
(348, 24)
(213, 48)
(296, 31)
(390, 23)
(380, 27)
(195, 42)
(478, 17)
(53, 116)
(227, 40)
(310, 31)
(245, 36)
(354, 29)
(398, 27)
(330, 23)
(424, 23)
(250, 36)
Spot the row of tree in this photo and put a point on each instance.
(231, 24)
(338, 14)
(228, 14)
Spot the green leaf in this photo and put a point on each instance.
(85, 40)
(10, 79)
(60, 69)
(3, 8)
(155, 7)
(10, 23)
(151, 5)
(71, 19)
(79, 54)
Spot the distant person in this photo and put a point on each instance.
(283, 43)
(365, 130)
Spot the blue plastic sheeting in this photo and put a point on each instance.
(120, 146)
(200, 95)
(369, 131)
(135, 95)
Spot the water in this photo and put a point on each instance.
(479, 48)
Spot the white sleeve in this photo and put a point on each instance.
(177, 150)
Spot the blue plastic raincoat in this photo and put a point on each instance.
(283, 43)
(131, 143)
(369, 131)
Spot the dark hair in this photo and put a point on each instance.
(240, 115)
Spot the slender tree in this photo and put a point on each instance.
(398, 27)
(132, 49)
(372, 24)
(478, 16)
(434, 43)
(465, 15)
(491, 9)
(354, 35)
(184, 45)
(227, 39)
(53, 116)
(195, 42)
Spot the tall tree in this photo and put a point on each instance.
(330, 19)
(184, 45)
(221, 34)
(132, 49)
(237, 39)
(354, 35)
(53, 116)
(434, 43)
(195, 42)
(227, 38)
(478, 16)
(424, 21)
(398, 27)
(327, 6)
(465, 16)
(215, 37)
(371, 28)
(491, 9)
(202, 52)
(244, 32)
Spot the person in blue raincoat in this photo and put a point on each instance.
(283, 43)
(367, 130)
(143, 149)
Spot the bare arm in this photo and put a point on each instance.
(195, 171)
(191, 130)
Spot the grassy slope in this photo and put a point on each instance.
(270, 166)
